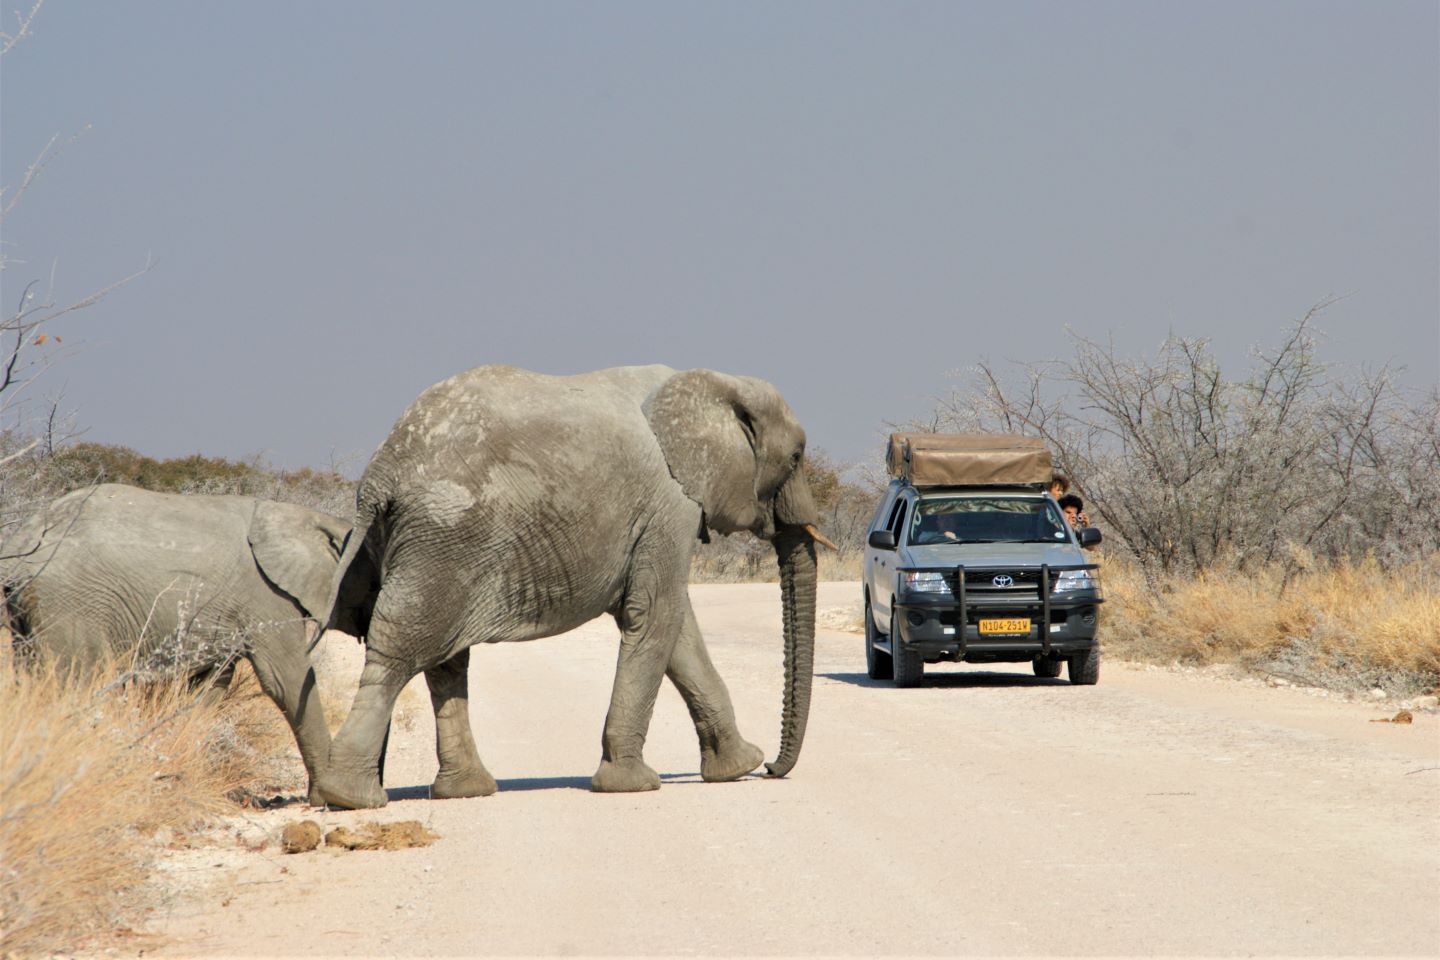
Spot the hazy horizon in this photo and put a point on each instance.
(348, 202)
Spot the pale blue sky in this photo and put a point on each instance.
(347, 202)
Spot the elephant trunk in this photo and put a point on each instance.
(795, 551)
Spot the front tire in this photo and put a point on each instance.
(1046, 667)
(1084, 667)
(909, 668)
(878, 665)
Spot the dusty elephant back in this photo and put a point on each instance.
(517, 416)
(503, 462)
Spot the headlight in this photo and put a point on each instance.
(925, 582)
(1068, 580)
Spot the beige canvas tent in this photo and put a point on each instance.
(967, 459)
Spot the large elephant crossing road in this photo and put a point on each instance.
(987, 812)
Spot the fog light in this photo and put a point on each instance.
(915, 619)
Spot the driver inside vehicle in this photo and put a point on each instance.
(935, 526)
(947, 525)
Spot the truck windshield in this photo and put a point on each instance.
(986, 520)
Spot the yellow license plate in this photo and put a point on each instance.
(1015, 625)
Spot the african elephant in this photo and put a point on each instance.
(509, 505)
(181, 582)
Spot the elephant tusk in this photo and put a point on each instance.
(819, 537)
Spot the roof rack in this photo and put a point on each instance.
(968, 459)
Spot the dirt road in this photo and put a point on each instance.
(989, 812)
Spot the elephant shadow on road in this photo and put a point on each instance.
(514, 785)
(525, 784)
(969, 679)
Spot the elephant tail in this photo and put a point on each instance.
(357, 574)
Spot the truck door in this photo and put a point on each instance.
(882, 567)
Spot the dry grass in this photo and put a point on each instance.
(762, 568)
(1346, 626)
(94, 778)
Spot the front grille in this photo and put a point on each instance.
(985, 579)
(1024, 585)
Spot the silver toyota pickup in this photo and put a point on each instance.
(976, 572)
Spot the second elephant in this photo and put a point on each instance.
(182, 583)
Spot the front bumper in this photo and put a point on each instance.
(947, 626)
(933, 629)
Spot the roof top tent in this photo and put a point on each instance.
(968, 459)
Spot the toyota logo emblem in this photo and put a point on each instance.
(1004, 580)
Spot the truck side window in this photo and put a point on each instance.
(897, 519)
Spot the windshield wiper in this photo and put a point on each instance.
(961, 543)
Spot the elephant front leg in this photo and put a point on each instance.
(648, 633)
(461, 772)
(286, 676)
(351, 778)
(724, 754)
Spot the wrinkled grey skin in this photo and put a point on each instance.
(189, 582)
(508, 505)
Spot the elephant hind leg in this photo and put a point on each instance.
(461, 772)
(407, 620)
(351, 777)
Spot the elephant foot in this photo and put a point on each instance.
(357, 792)
(624, 776)
(316, 798)
(464, 782)
(729, 761)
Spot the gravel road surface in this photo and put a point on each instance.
(988, 812)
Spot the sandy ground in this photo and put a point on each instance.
(989, 812)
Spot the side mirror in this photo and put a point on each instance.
(1088, 536)
(882, 540)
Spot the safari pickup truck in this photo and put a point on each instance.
(969, 559)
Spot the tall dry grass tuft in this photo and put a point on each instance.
(92, 772)
(1342, 626)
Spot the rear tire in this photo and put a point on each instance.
(878, 665)
(1084, 668)
(909, 668)
(1046, 667)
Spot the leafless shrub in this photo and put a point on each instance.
(326, 491)
(29, 478)
(32, 429)
(1187, 468)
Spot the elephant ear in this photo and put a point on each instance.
(297, 550)
(706, 429)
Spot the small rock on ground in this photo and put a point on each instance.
(300, 837)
